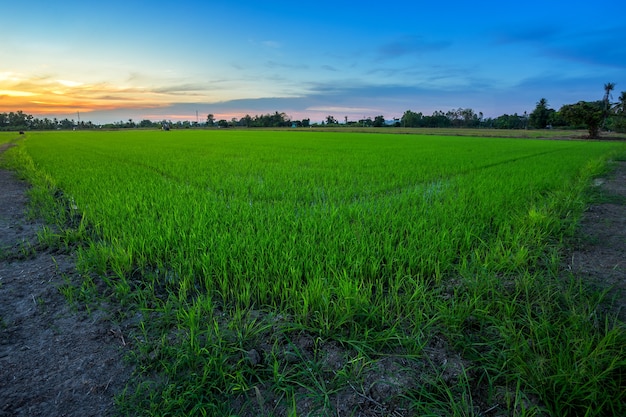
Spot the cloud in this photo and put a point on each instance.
(15, 93)
(274, 64)
(180, 88)
(410, 45)
(525, 34)
(271, 44)
(604, 47)
(559, 90)
(329, 68)
(341, 109)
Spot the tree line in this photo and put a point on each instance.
(594, 116)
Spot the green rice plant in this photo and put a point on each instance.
(374, 241)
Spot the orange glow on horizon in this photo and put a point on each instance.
(52, 96)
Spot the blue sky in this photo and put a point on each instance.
(117, 60)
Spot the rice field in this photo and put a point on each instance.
(242, 258)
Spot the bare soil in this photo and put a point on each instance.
(599, 255)
(54, 359)
(59, 360)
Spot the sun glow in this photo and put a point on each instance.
(12, 93)
(69, 83)
(47, 95)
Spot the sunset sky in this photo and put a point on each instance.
(120, 60)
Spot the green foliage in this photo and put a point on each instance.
(589, 114)
(540, 117)
(229, 242)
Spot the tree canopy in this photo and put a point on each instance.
(586, 113)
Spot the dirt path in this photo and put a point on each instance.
(53, 361)
(600, 255)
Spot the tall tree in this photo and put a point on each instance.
(590, 114)
(411, 119)
(608, 87)
(539, 118)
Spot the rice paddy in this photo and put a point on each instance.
(242, 258)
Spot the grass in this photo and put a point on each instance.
(305, 273)
(475, 132)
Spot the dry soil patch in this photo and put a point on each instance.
(600, 253)
(54, 361)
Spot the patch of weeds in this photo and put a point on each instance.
(79, 294)
(549, 338)
(20, 251)
(599, 195)
(69, 291)
(26, 249)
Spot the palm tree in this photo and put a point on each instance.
(608, 87)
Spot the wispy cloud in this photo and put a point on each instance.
(342, 109)
(596, 47)
(271, 44)
(274, 64)
(410, 45)
(525, 34)
(49, 93)
(604, 46)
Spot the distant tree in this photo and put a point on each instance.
(16, 121)
(246, 121)
(280, 119)
(306, 122)
(619, 114)
(608, 87)
(507, 121)
(454, 116)
(411, 119)
(379, 121)
(438, 119)
(210, 120)
(540, 117)
(330, 120)
(222, 123)
(606, 100)
(66, 124)
(620, 106)
(367, 122)
(470, 119)
(590, 114)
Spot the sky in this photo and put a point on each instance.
(119, 60)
